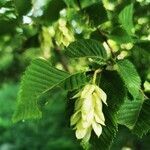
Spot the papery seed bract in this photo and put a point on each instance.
(87, 135)
(87, 104)
(88, 114)
(78, 104)
(101, 94)
(98, 107)
(80, 133)
(74, 118)
(87, 91)
(97, 128)
(99, 120)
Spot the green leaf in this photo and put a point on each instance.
(39, 79)
(86, 48)
(75, 81)
(130, 76)
(126, 18)
(142, 125)
(135, 115)
(113, 86)
(129, 112)
(120, 36)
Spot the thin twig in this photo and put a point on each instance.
(105, 40)
(95, 75)
(145, 97)
(63, 59)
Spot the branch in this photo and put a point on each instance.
(62, 57)
(105, 40)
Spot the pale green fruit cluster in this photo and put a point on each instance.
(46, 41)
(88, 114)
(63, 35)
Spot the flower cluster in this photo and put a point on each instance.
(88, 113)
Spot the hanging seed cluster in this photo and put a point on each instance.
(88, 114)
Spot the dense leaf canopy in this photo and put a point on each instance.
(53, 49)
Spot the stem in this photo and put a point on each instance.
(63, 59)
(95, 75)
(145, 97)
(105, 40)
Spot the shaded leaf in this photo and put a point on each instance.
(142, 125)
(114, 87)
(38, 80)
(75, 81)
(129, 112)
(108, 132)
(23, 7)
(96, 13)
(135, 115)
(120, 36)
(126, 18)
(130, 76)
(53, 7)
(86, 48)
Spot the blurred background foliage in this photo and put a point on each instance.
(42, 28)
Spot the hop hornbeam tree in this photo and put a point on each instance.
(95, 51)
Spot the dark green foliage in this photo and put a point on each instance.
(126, 18)
(129, 113)
(130, 76)
(97, 17)
(108, 134)
(23, 7)
(86, 48)
(142, 125)
(39, 78)
(53, 7)
(121, 36)
(135, 115)
(75, 81)
(140, 58)
(115, 89)
(7, 96)
(111, 40)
